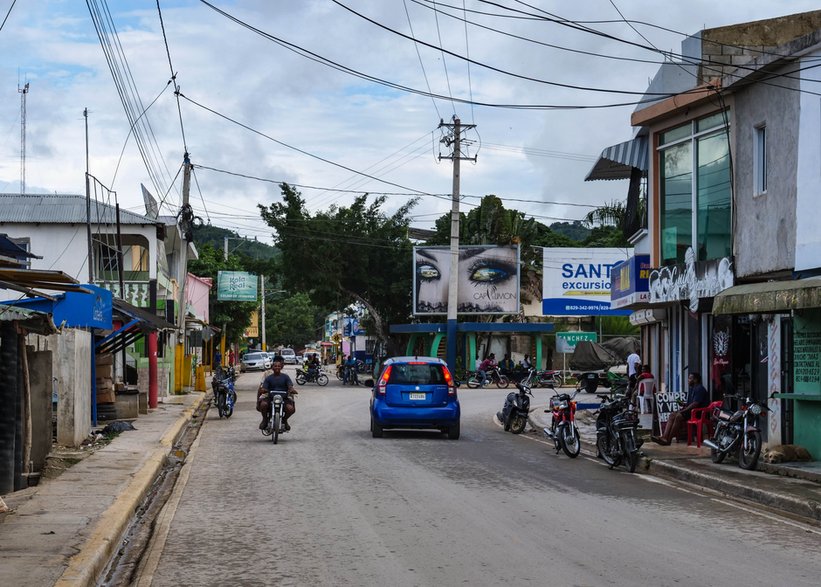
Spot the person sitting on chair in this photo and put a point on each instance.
(697, 397)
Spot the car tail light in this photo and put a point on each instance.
(449, 380)
(383, 381)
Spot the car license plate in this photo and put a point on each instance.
(417, 396)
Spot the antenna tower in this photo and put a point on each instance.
(23, 91)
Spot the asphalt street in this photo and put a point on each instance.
(330, 505)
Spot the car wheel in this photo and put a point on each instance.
(376, 429)
(453, 432)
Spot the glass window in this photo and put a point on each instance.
(760, 160)
(417, 374)
(713, 197)
(695, 180)
(676, 203)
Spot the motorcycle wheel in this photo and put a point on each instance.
(717, 456)
(300, 379)
(631, 454)
(277, 424)
(631, 461)
(473, 382)
(748, 458)
(571, 444)
(502, 382)
(229, 404)
(322, 380)
(603, 445)
(220, 401)
(518, 423)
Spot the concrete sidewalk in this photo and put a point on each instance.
(65, 530)
(791, 488)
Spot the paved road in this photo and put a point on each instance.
(330, 505)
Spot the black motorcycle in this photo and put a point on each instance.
(225, 396)
(276, 418)
(616, 438)
(311, 376)
(738, 432)
(516, 409)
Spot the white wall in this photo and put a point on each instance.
(64, 247)
(808, 237)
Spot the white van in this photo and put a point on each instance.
(288, 355)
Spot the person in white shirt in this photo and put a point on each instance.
(633, 366)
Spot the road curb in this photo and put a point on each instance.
(85, 567)
(805, 508)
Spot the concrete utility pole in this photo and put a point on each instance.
(262, 312)
(455, 139)
(23, 92)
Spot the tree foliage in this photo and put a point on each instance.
(357, 253)
(291, 321)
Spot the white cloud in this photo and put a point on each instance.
(330, 114)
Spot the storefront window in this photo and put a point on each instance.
(699, 146)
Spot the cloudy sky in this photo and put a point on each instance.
(330, 95)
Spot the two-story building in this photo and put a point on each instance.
(732, 184)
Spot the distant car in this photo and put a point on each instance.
(289, 356)
(255, 361)
(415, 392)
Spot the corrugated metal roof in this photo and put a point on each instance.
(62, 209)
(30, 319)
(617, 162)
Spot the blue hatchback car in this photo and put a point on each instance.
(415, 392)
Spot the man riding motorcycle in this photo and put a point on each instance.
(276, 381)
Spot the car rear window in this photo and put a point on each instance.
(417, 374)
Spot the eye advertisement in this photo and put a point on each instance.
(577, 281)
(488, 280)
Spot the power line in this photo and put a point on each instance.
(7, 15)
(173, 76)
(419, 56)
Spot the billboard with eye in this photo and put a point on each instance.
(488, 280)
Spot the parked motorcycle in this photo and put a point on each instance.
(276, 419)
(738, 433)
(311, 376)
(550, 378)
(225, 396)
(563, 430)
(616, 438)
(516, 409)
(494, 375)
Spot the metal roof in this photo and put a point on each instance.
(62, 209)
(617, 162)
(31, 320)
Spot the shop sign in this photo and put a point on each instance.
(667, 402)
(690, 281)
(629, 282)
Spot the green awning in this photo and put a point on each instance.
(769, 297)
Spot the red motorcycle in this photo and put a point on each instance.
(563, 430)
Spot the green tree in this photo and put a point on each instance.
(355, 253)
(291, 321)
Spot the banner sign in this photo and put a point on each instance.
(566, 341)
(577, 281)
(488, 280)
(236, 286)
(629, 282)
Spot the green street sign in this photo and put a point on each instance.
(566, 341)
(236, 286)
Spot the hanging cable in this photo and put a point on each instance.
(467, 54)
(421, 64)
(173, 77)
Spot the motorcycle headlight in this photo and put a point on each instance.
(563, 406)
(755, 409)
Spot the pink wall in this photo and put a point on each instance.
(196, 295)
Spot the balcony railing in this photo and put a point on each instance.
(135, 292)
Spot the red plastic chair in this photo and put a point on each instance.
(699, 418)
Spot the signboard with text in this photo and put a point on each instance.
(629, 282)
(577, 281)
(236, 286)
(566, 341)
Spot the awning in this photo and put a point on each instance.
(771, 296)
(618, 161)
(30, 320)
(137, 322)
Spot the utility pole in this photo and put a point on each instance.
(224, 342)
(23, 92)
(262, 313)
(186, 220)
(455, 139)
